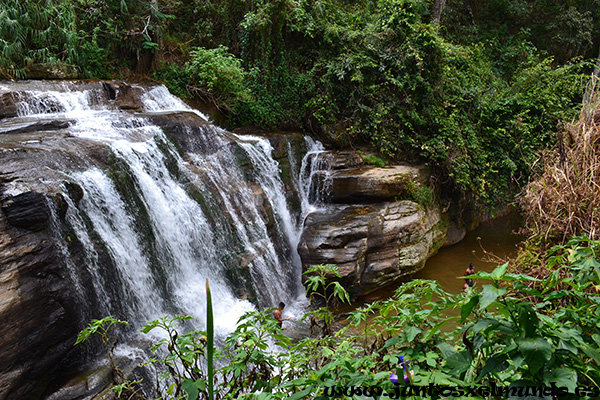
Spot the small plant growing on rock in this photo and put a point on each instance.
(102, 327)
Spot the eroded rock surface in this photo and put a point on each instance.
(368, 184)
(374, 245)
(37, 308)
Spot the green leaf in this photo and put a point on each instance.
(391, 341)
(411, 332)
(499, 271)
(340, 293)
(562, 377)
(465, 309)
(459, 362)
(519, 277)
(190, 388)
(528, 320)
(300, 395)
(446, 349)
(496, 363)
(537, 352)
(591, 352)
(490, 294)
(485, 324)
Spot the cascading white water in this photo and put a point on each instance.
(312, 196)
(162, 241)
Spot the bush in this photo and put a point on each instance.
(217, 76)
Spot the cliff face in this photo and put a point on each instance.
(50, 269)
(369, 223)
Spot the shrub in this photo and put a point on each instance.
(217, 76)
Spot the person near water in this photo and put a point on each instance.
(278, 315)
(469, 281)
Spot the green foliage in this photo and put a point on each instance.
(320, 282)
(175, 77)
(101, 327)
(477, 97)
(36, 32)
(217, 76)
(385, 76)
(418, 193)
(372, 159)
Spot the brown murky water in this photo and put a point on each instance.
(493, 240)
(490, 240)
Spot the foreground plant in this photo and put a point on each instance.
(515, 331)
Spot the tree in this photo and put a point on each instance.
(438, 8)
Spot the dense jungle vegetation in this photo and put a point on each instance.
(475, 88)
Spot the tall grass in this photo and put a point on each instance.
(564, 200)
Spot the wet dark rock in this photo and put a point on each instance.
(36, 126)
(111, 92)
(37, 309)
(27, 210)
(344, 159)
(127, 97)
(8, 107)
(74, 190)
(189, 132)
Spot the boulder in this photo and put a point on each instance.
(374, 245)
(8, 108)
(369, 184)
(27, 210)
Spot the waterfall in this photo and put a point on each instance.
(159, 221)
(313, 194)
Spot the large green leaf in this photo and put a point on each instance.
(490, 294)
(528, 320)
(499, 271)
(459, 362)
(446, 349)
(496, 363)
(562, 377)
(411, 332)
(537, 352)
(300, 395)
(190, 388)
(465, 309)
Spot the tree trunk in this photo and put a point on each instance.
(438, 7)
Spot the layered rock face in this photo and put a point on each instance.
(36, 307)
(378, 242)
(367, 220)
